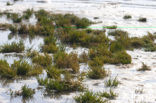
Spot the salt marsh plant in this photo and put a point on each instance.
(112, 82)
(89, 97)
(144, 68)
(18, 69)
(122, 57)
(96, 62)
(127, 17)
(5, 26)
(23, 68)
(109, 95)
(49, 45)
(43, 60)
(116, 46)
(111, 27)
(13, 29)
(13, 47)
(28, 13)
(16, 18)
(97, 73)
(32, 54)
(83, 58)
(142, 19)
(27, 92)
(53, 72)
(63, 86)
(8, 4)
(42, 81)
(82, 38)
(23, 29)
(146, 42)
(64, 61)
(5, 70)
(118, 33)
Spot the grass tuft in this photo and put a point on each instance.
(142, 19)
(43, 60)
(112, 82)
(127, 17)
(13, 47)
(110, 95)
(67, 61)
(144, 68)
(89, 97)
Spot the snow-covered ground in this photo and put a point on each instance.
(110, 12)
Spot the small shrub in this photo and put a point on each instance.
(54, 73)
(23, 29)
(8, 4)
(89, 97)
(27, 92)
(50, 48)
(146, 42)
(83, 58)
(142, 19)
(109, 95)
(21, 67)
(13, 47)
(122, 57)
(137, 42)
(6, 71)
(96, 62)
(116, 47)
(43, 60)
(96, 73)
(64, 86)
(16, 18)
(96, 17)
(82, 38)
(112, 82)
(82, 23)
(49, 45)
(13, 29)
(63, 60)
(5, 26)
(28, 13)
(127, 17)
(144, 68)
(111, 27)
(42, 81)
(36, 69)
(118, 33)
(32, 54)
